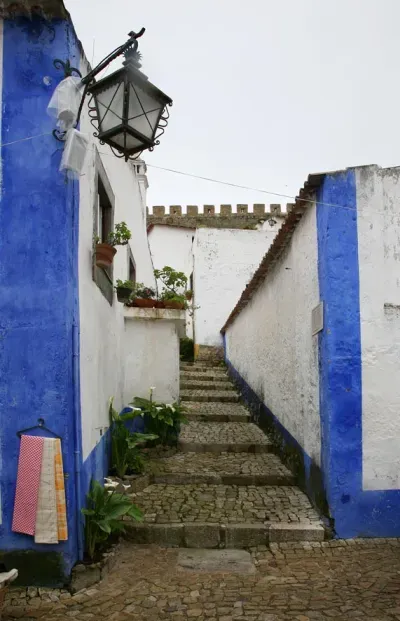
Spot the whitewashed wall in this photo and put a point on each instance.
(151, 356)
(270, 342)
(173, 246)
(101, 325)
(224, 262)
(378, 227)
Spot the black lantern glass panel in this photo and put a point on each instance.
(129, 110)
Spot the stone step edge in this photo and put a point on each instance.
(243, 480)
(188, 385)
(208, 535)
(218, 418)
(211, 398)
(194, 447)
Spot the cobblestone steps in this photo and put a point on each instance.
(205, 385)
(225, 488)
(224, 396)
(212, 375)
(217, 412)
(223, 516)
(224, 468)
(200, 437)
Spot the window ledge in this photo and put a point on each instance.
(166, 314)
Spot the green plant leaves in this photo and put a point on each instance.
(103, 515)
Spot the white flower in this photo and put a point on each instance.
(170, 406)
(152, 388)
(158, 409)
(112, 485)
(108, 480)
(136, 410)
(126, 487)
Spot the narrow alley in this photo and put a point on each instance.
(227, 536)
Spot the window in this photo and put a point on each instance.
(131, 266)
(103, 224)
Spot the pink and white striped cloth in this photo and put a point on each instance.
(28, 481)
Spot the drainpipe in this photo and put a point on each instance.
(74, 187)
(77, 438)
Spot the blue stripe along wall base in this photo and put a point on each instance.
(356, 513)
(307, 472)
(39, 307)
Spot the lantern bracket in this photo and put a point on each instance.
(131, 45)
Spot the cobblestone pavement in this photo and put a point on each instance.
(217, 412)
(225, 503)
(192, 384)
(223, 463)
(223, 433)
(211, 374)
(217, 408)
(209, 395)
(341, 581)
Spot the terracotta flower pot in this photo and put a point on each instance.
(144, 303)
(174, 305)
(123, 294)
(104, 255)
(159, 304)
(189, 295)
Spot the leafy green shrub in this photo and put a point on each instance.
(162, 419)
(141, 291)
(120, 235)
(126, 457)
(103, 514)
(125, 284)
(186, 349)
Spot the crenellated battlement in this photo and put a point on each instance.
(191, 216)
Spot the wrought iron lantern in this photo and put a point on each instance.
(128, 112)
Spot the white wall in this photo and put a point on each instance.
(173, 246)
(224, 261)
(101, 325)
(270, 342)
(152, 358)
(378, 222)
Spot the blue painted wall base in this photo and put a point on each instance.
(307, 472)
(39, 306)
(356, 513)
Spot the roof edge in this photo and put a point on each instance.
(282, 239)
(47, 8)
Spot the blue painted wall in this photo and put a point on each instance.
(39, 310)
(355, 512)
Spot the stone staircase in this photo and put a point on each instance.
(225, 488)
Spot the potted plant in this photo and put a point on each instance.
(175, 284)
(124, 290)
(105, 251)
(174, 300)
(142, 296)
(189, 295)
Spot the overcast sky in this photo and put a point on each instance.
(265, 91)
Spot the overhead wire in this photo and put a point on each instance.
(212, 180)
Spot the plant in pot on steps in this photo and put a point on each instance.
(124, 289)
(142, 296)
(174, 287)
(105, 251)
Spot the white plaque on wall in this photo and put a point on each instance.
(317, 319)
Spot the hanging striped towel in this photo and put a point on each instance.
(60, 494)
(28, 480)
(46, 530)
